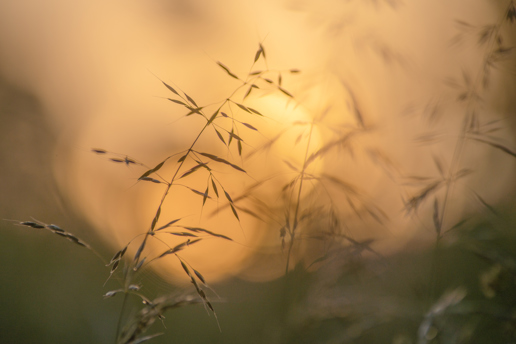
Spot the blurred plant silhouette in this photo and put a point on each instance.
(338, 288)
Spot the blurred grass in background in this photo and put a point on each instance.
(51, 291)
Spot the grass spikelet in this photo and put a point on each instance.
(112, 293)
(149, 179)
(183, 234)
(235, 136)
(242, 107)
(153, 311)
(170, 88)
(249, 90)
(177, 102)
(31, 224)
(213, 117)
(140, 264)
(220, 136)
(202, 230)
(152, 170)
(285, 92)
(205, 196)
(192, 170)
(175, 249)
(227, 71)
(413, 203)
(250, 126)
(191, 100)
(199, 276)
(234, 211)
(117, 256)
(254, 111)
(168, 224)
(216, 158)
(56, 230)
(214, 186)
(263, 50)
(155, 219)
(228, 196)
(140, 250)
(197, 192)
(258, 53)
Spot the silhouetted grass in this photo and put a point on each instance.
(348, 290)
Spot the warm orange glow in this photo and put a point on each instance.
(108, 192)
(375, 72)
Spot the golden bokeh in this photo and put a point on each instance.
(366, 72)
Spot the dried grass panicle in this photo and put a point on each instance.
(183, 169)
(153, 311)
(56, 230)
(467, 91)
(296, 218)
(470, 86)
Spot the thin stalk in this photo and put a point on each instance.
(122, 310)
(298, 203)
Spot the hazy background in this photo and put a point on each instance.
(87, 74)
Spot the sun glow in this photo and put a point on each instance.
(357, 140)
(273, 154)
